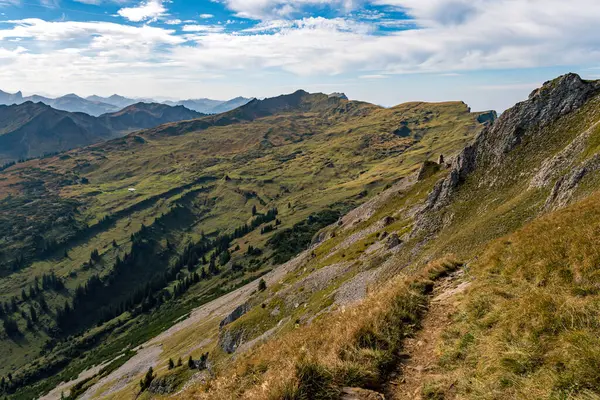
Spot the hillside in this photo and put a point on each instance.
(125, 238)
(74, 103)
(228, 105)
(144, 115)
(469, 280)
(210, 106)
(115, 100)
(34, 129)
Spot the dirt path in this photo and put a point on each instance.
(420, 365)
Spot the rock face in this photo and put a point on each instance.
(163, 385)
(339, 95)
(393, 241)
(565, 186)
(544, 106)
(235, 315)
(230, 340)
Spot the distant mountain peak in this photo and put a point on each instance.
(339, 95)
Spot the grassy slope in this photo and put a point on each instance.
(527, 328)
(302, 159)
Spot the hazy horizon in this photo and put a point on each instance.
(487, 53)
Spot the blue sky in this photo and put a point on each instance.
(488, 53)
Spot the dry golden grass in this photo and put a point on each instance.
(357, 346)
(530, 325)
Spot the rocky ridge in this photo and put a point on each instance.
(544, 106)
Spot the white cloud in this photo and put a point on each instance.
(206, 16)
(497, 34)
(50, 3)
(374, 76)
(72, 33)
(269, 9)
(203, 28)
(173, 22)
(501, 34)
(149, 10)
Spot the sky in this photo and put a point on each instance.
(488, 53)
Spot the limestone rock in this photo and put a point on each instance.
(235, 315)
(349, 393)
(544, 106)
(565, 186)
(230, 340)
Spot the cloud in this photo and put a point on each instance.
(273, 9)
(50, 3)
(440, 12)
(500, 34)
(206, 16)
(375, 76)
(483, 35)
(203, 28)
(149, 10)
(284, 26)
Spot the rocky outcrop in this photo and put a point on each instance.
(339, 95)
(552, 167)
(393, 241)
(230, 340)
(235, 315)
(544, 106)
(164, 385)
(565, 186)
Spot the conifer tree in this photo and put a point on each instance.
(33, 314)
(262, 285)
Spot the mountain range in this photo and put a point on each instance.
(311, 247)
(97, 105)
(34, 129)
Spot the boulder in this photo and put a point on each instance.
(349, 393)
(393, 240)
(230, 340)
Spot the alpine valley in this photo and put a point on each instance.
(305, 246)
